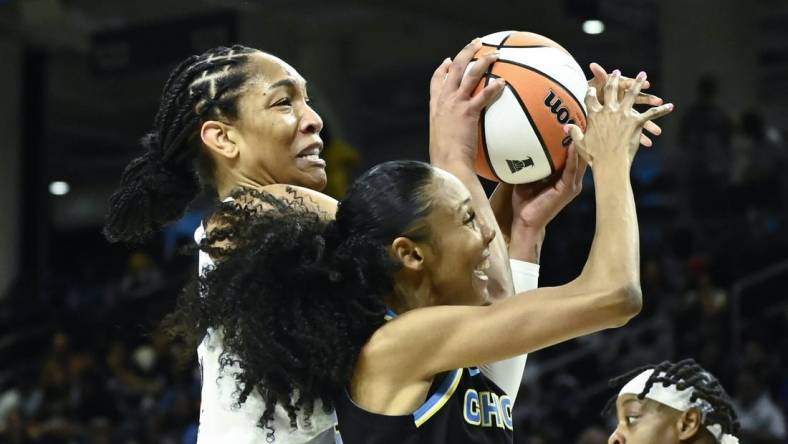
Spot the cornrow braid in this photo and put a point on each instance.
(685, 374)
(157, 187)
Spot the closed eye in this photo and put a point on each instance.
(470, 220)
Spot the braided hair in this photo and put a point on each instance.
(685, 374)
(296, 297)
(158, 186)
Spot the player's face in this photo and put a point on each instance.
(279, 132)
(644, 422)
(458, 248)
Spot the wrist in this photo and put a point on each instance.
(615, 169)
(451, 161)
(524, 229)
(526, 243)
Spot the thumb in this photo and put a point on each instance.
(578, 141)
(574, 132)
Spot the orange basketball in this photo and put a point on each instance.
(521, 137)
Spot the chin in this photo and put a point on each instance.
(320, 183)
(485, 298)
(313, 181)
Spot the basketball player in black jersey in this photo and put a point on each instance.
(411, 243)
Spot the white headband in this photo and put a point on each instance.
(671, 396)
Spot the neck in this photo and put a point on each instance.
(409, 294)
(230, 180)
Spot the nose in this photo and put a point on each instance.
(311, 123)
(616, 438)
(488, 233)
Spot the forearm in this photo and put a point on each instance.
(614, 258)
(499, 272)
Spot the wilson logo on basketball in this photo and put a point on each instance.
(561, 113)
(517, 165)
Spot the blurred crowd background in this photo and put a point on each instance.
(82, 359)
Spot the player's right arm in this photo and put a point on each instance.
(422, 343)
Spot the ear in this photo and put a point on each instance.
(689, 424)
(220, 138)
(408, 252)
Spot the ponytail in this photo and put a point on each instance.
(151, 194)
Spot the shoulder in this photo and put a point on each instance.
(403, 346)
(311, 199)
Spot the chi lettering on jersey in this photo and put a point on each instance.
(487, 409)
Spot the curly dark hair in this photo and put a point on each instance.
(683, 374)
(296, 296)
(158, 186)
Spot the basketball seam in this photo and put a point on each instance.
(503, 40)
(560, 85)
(484, 137)
(528, 46)
(537, 132)
(482, 120)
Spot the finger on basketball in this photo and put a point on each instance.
(611, 89)
(475, 73)
(487, 95)
(574, 132)
(582, 166)
(569, 175)
(571, 163)
(592, 101)
(457, 68)
(633, 89)
(439, 76)
(436, 82)
(600, 75)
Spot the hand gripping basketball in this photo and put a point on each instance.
(454, 111)
(614, 129)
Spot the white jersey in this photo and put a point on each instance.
(222, 422)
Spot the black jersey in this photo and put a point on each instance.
(463, 406)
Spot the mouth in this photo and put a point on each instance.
(481, 269)
(311, 152)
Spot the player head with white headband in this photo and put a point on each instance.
(672, 403)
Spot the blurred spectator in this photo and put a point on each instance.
(593, 435)
(142, 276)
(755, 165)
(761, 420)
(705, 133)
